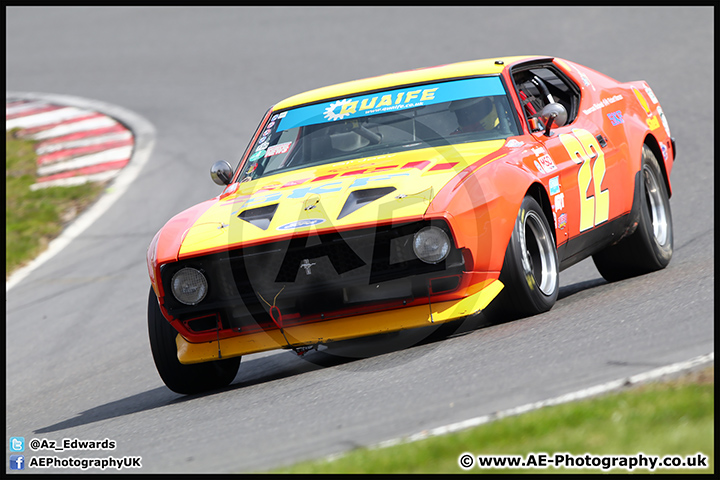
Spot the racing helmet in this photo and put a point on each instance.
(471, 111)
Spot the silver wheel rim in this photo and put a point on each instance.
(656, 206)
(538, 256)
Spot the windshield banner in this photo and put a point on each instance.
(392, 100)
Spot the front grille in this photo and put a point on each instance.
(316, 276)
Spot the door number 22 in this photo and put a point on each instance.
(583, 149)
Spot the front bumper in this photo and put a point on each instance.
(307, 279)
(339, 328)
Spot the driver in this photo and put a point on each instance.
(474, 115)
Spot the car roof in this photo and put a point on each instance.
(490, 66)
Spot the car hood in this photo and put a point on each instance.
(338, 196)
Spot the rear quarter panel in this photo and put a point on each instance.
(639, 114)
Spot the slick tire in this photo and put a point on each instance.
(650, 247)
(184, 379)
(530, 270)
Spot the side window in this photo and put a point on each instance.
(542, 85)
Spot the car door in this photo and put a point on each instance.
(576, 162)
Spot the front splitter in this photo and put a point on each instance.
(338, 329)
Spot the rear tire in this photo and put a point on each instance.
(185, 379)
(650, 247)
(530, 270)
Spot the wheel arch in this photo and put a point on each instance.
(654, 146)
(538, 192)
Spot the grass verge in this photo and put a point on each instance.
(667, 418)
(34, 218)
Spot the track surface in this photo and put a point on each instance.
(78, 358)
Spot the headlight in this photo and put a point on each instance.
(431, 245)
(189, 286)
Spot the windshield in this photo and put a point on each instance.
(409, 118)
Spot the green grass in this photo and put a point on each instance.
(671, 418)
(33, 219)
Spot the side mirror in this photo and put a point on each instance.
(553, 114)
(221, 173)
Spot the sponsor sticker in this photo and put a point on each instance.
(562, 221)
(604, 103)
(390, 101)
(301, 224)
(545, 163)
(586, 81)
(661, 114)
(251, 169)
(616, 118)
(256, 156)
(554, 185)
(651, 94)
(278, 149)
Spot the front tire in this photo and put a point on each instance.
(184, 379)
(530, 270)
(650, 247)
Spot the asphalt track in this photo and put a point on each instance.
(78, 359)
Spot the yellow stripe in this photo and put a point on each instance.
(341, 328)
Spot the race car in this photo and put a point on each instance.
(407, 200)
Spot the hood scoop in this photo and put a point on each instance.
(360, 198)
(260, 217)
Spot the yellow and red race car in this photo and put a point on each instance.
(409, 199)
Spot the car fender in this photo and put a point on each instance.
(647, 125)
(165, 246)
(482, 205)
